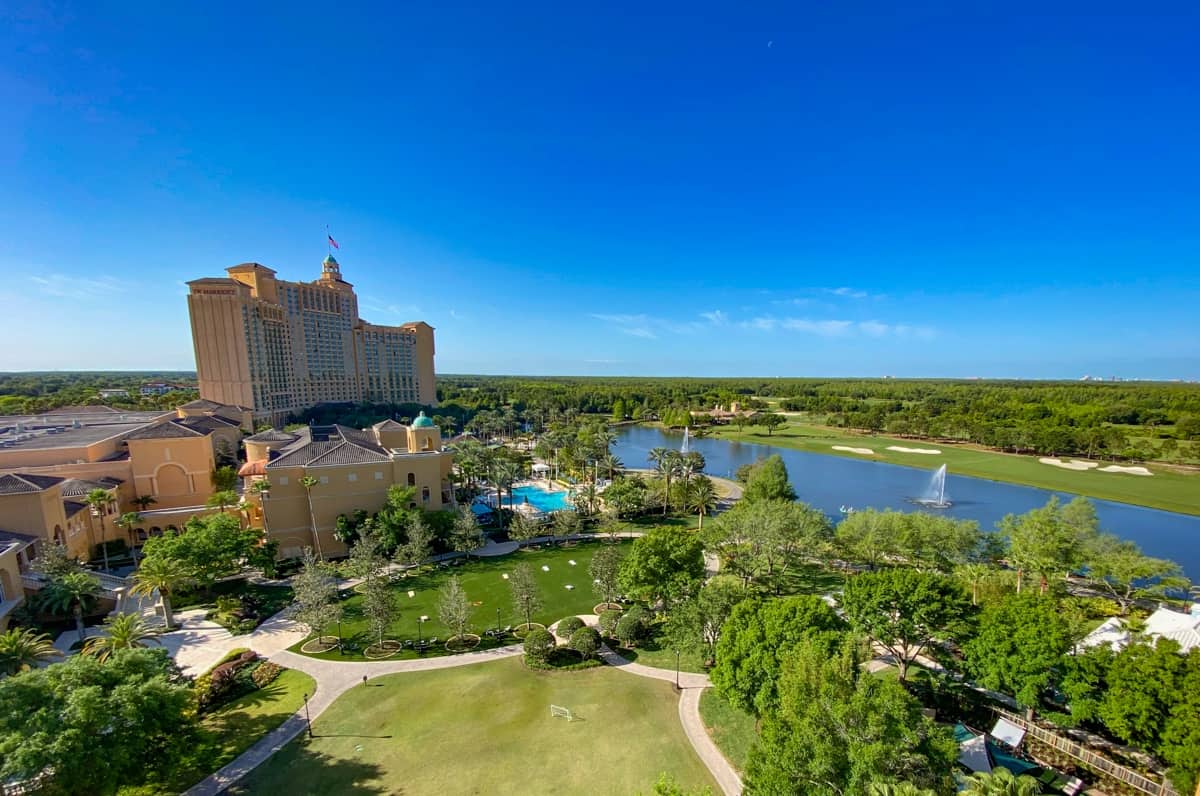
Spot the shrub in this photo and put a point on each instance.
(631, 628)
(608, 623)
(538, 645)
(223, 684)
(265, 673)
(227, 604)
(568, 626)
(585, 641)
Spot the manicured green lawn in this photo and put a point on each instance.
(487, 728)
(1169, 489)
(657, 652)
(483, 581)
(732, 729)
(233, 728)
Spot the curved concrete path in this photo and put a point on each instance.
(335, 678)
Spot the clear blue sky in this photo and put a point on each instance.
(953, 189)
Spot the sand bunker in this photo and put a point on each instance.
(863, 451)
(929, 451)
(1116, 468)
(1074, 464)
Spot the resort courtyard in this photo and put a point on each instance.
(488, 728)
(561, 574)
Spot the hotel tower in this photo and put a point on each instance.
(278, 347)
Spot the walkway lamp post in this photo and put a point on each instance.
(307, 718)
(420, 632)
(497, 622)
(676, 668)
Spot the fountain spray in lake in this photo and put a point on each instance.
(935, 495)
(684, 448)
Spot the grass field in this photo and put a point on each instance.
(483, 581)
(232, 729)
(732, 730)
(1169, 489)
(487, 728)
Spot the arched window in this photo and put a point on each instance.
(425, 494)
(412, 479)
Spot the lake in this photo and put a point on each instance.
(830, 482)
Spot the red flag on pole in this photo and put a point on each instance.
(332, 242)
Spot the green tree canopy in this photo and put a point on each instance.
(838, 730)
(210, 547)
(89, 725)
(903, 610)
(769, 481)
(1019, 643)
(666, 564)
(758, 636)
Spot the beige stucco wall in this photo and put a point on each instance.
(41, 514)
(175, 472)
(345, 489)
(10, 583)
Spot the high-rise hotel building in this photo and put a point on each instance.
(278, 347)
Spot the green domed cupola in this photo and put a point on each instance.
(422, 421)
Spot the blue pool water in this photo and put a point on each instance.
(539, 498)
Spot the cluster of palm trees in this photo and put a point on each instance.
(696, 494)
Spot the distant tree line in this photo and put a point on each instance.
(33, 393)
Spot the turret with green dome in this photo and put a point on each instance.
(422, 421)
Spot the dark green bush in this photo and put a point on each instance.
(568, 626)
(586, 641)
(539, 644)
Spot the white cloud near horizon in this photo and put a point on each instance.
(76, 287)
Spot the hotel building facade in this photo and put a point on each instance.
(279, 347)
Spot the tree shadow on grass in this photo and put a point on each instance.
(300, 769)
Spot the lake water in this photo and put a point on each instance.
(830, 482)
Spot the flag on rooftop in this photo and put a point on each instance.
(332, 242)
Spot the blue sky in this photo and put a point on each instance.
(958, 189)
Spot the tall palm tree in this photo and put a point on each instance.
(164, 575)
(701, 497)
(1001, 782)
(505, 472)
(130, 520)
(123, 632)
(143, 502)
(72, 593)
(21, 649)
(308, 482)
(98, 501)
(611, 463)
(667, 463)
(974, 575)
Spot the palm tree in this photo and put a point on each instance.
(164, 575)
(666, 461)
(98, 501)
(21, 649)
(701, 497)
(123, 632)
(1001, 782)
(143, 502)
(130, 520)
(222, 499)
(505, 472)
(73, 593)
(308, 482)
(611, 463)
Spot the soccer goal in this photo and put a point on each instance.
(557, 711)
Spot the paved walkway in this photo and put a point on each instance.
(333, 679)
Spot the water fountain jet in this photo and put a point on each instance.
(935, 494)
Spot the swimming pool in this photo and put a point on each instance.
(539, 498)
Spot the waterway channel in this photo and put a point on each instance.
(831, 482)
